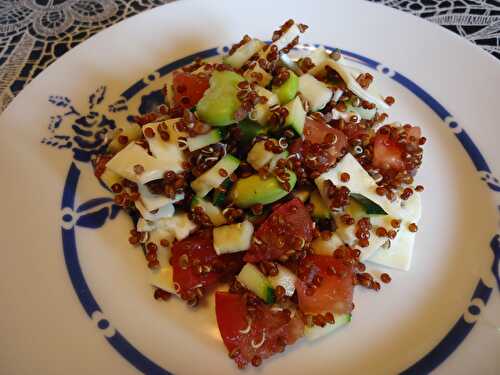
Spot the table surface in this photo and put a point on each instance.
(34, 33)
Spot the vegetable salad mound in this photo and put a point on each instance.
(279, 176)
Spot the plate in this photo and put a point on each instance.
(75, 295)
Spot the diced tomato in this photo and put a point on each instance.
(296, 146)
(261, 332)
(195, 251)
(387, 154)
(354, 130)
(316, 131)
(288, 227)
(188, 89)
(334, 294)
(231, 314)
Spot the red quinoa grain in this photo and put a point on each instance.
(385, 278)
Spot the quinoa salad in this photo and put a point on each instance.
(270, 182)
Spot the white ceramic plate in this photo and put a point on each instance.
(75, 297)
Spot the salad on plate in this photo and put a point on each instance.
(273, 178)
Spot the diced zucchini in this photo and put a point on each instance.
(261, 111)
(249, 130)
(123, 164)
(320, 209)
(167, 151)
(260, 114)
(302, 194)
(284, 278)
(296, 115)
(109, 178)
(213, 212)
(258, 156)
(255, 74)
(212, 178)
(219, 197)
(276, 158)
(252, 190)
(130, 130)
(288, 90)
(220, 102)
(314, 91)
(254, 280)
(315, 332)
(369, 206)
(272, 98)
(326, 247)
(243, 53)
(233, 238)
(200, 141)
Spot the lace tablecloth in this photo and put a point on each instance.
(34, 33)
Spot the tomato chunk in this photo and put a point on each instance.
(260, 332)
(195, 264)
(288, 227)
(388, 151)
(387, 154)
(188, 89)
(316, 131)
(334, 293)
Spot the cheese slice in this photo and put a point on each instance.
(163, 276)
(162, 212)
(287, 37)
(348, 232)
(408, 211)
(318, 56)
(133, 155)
(179, 225)
(155, 201)
(163, 279)
(359, 182)
(130, 130)
(399, 254)
(169, 151)
(163, 252)
(109, 178)
(243, 53)
(354, 86)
